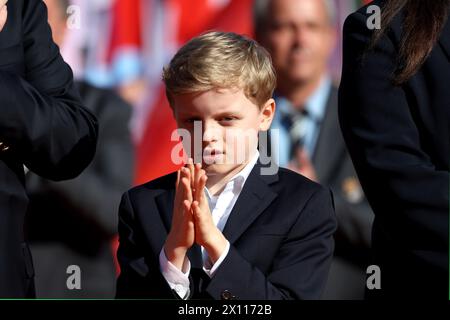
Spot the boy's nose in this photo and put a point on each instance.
(211, 133)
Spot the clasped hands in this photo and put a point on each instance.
(192, 221)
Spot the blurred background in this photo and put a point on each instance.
(117, 49)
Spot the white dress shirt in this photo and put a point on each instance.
(220, 207)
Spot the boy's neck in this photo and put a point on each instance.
(217, 182)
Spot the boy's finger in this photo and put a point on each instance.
(178, 178)
(183, 174)
(196, 210)
(187, 193)
(177, 187)
(190, 166)
(186, 173)
(186, 206)
(185, 187)
(197, 169)
(202, 184)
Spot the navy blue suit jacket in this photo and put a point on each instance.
(280, 230)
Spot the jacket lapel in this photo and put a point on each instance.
(255, 197)
(328, 149)
(164, 204)
(445, 39)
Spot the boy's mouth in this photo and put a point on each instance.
(212, 152)
(212, 155)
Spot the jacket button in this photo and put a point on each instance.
(226, 295)
(3, 147)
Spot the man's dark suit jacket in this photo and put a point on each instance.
(280, 231)
(86, 205)
(399, 140)
(42, 125)
(334, 169)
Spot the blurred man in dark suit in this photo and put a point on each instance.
(301, 35)
(85, 208)
(43, 125)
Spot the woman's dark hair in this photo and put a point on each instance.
(423, 24)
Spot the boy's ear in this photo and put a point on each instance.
(267, 114)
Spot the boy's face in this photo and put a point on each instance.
(223, 126)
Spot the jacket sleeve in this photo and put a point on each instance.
(95, 194)
(43, 121)
(140, 276)
(404, 187)
(300, 269)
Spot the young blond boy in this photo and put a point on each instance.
(222, 228)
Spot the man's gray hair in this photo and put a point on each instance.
(261, 13)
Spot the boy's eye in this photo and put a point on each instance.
(227, 119)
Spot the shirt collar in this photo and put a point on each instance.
(315, 105)
(238, 180)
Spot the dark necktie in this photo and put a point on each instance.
(295, 123)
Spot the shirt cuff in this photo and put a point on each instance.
(177, 279)
(210, 272)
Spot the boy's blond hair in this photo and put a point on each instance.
(221, 60)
